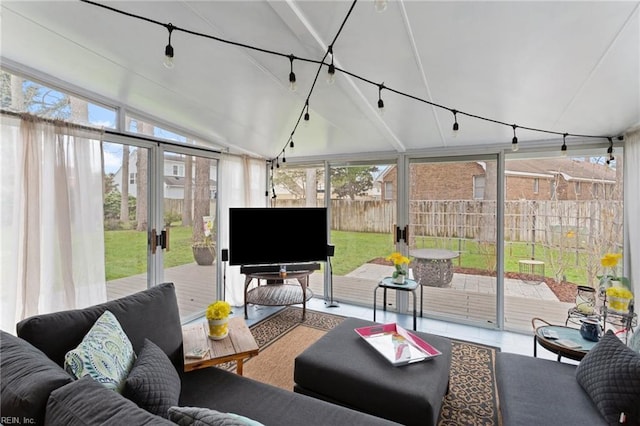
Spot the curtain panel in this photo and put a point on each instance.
(51, 217)
(631, 209)
(245, 186)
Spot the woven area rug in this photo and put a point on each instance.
(472, 397)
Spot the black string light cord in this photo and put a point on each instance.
(381, 86)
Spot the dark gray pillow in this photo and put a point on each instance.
(610, 374)
(27, 379)
(153, 382)
(196, 416)
(87, 402)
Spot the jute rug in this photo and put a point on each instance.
(472, 397)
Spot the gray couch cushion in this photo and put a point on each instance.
(27, 379)
(610, 374)
(229, 393)
(153, 382)
(86, 402)
(151, 313)
(535, 391)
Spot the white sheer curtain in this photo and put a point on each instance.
(51, 217)
(631, 209)
(245, 184)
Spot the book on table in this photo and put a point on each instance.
(397, 345)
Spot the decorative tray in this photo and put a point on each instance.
(397, 345)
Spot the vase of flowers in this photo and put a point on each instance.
(400, 263)
(218, 317)
(616, 287)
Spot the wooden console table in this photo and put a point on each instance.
(280, 294)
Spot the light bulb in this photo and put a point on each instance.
(331, 74)
(514, 144)
(381, 106)
(306, 119)
(168, 56)
(292, 81)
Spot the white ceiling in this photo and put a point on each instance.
(569, 67)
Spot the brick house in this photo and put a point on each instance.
(548, 179)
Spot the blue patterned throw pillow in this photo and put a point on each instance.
(105, 354)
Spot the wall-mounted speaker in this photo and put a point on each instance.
(330, 250)
(224, 255)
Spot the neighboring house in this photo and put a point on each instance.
(548, 179)
(173, 181)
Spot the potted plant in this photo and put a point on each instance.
(204, 251)
(218, 318)
(400, 262)
(616, 287)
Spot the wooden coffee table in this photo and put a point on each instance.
(237, 346)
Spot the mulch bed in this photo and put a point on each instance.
(564, 291)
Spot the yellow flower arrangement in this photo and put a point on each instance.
(610, 260)
(398, 261)
(218, 310)
(620, 292)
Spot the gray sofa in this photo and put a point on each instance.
(37, 390)
(606, 383)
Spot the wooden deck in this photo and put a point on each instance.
(195, 288)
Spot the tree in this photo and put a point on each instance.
(202, 197)
(352, 181)
(142, 178)
(124, 199)
(187, 210)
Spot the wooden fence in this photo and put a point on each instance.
(548, 222)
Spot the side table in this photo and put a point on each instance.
(386, 284)
(564, 333)
(433, 267)
(237, 346)
(277, 294)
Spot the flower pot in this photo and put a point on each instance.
(399, 279)
(218, 329)
(203, 255)
(619, 304)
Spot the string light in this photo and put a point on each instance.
(306, 114)
(291, 144)
(331, 71)
(380, 5)
(610, 151)
(168, 50)
(563, 149)
(514, 141)
(455, 127)
(380, 101)
(292, 76)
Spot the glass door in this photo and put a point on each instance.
(125, 183)
(452, 237)
(188, 200)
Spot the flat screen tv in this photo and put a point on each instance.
(277, 235)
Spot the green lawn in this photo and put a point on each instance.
(126, 252)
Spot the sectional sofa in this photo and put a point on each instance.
(37, 390)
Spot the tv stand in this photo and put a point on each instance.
(276, 292)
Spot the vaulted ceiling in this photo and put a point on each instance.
(566, 67)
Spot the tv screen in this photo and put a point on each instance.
(259, 236)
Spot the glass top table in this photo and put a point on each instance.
(561, 345)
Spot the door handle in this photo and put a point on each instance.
(161, 240)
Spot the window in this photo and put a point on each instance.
(536, 185)
(132, 178)
(177, 170)
(388, 190)
(578, 188)
(478, 187)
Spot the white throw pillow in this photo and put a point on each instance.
(105, 354)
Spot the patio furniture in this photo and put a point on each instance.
(388, 283)
(531, 271)
(433, 267)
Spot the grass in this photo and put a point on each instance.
(126, 252)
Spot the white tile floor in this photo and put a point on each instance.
(507, 341)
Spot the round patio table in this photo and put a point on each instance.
(433, 267)
(560, 345)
